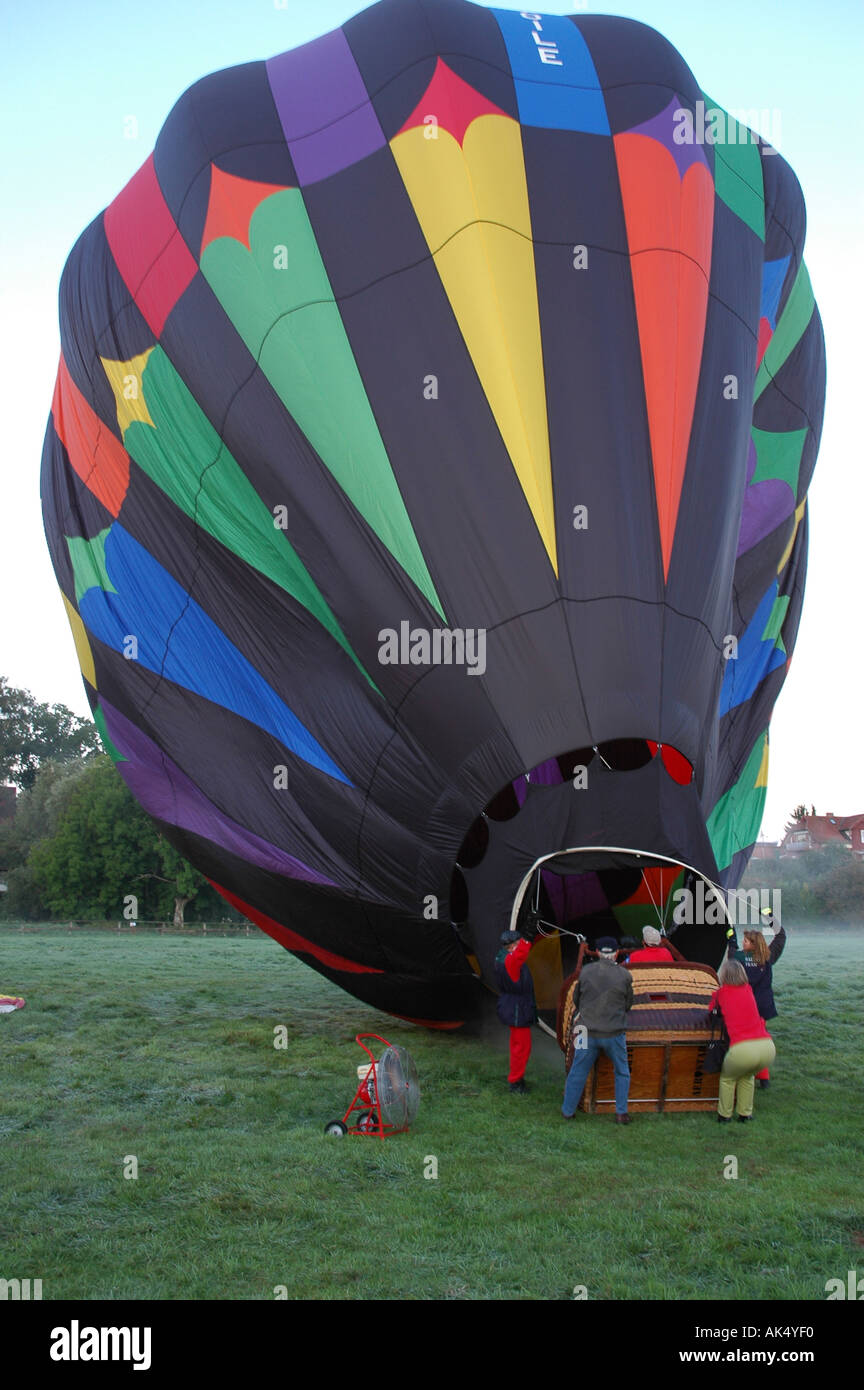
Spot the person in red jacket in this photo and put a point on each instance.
(751, 1046)
(651, 952)
(516, 1004)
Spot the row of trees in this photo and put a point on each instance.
(817, 886)
(79, 846)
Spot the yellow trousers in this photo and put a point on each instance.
(740, 1066)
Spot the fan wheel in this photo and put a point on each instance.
(336, 1129)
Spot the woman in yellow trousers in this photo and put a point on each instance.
(751, 1046)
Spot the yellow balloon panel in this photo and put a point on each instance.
(471, 201)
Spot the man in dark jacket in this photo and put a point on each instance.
(603, 997)
(516, 1004)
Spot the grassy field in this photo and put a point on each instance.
(162, 1048)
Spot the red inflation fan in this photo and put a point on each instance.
(387, 1096)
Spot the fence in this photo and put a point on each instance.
(221, 927)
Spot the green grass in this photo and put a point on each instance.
(162, 1048)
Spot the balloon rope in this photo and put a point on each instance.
(651, 895)
(562, 931)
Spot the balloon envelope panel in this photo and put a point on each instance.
(437, 406)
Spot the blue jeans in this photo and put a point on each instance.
(584, 1059)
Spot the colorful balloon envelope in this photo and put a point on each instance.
(426, 484)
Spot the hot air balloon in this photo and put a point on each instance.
(426, 484)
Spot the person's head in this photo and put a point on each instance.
(732, 972)
(755, 945)
(509, 938)
(650, 936)
(607, 946)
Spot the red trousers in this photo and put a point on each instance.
(520, 1051)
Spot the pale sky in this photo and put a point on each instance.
(73, 73)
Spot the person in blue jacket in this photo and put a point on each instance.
(758, 959)
(517, 1007)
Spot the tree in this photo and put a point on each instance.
(818, 885)
(843, 889)
(85, 847)
(184, 881)
(23, 899)
(102, 846)
(37, 812)
(799, 811)
(32, 733)
(80, 846)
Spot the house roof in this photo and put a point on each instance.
(825, 830)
